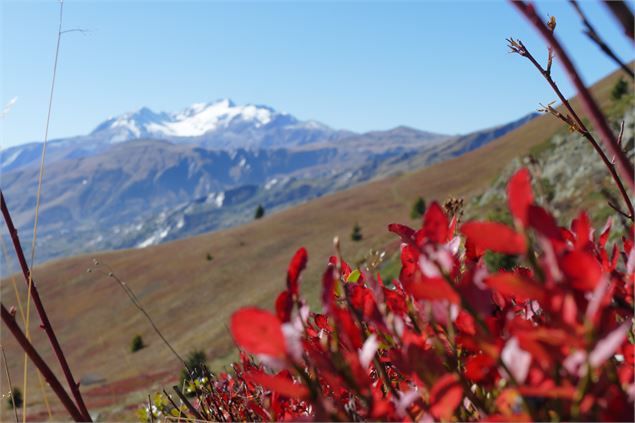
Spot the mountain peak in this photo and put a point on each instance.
(220, 123)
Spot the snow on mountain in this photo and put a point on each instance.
(201, 120)
(219, 125)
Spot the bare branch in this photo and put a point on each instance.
(80, 30)
(621, 135)
(623, 164)
(595, 37)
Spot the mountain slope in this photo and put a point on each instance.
(216, 125)
(191, 298)
(120, 197)
(143, 177)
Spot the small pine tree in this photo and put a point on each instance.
(619, 89)
(195, 361)
(209, 257)
(15, 398)
(136, 344)
(418, 208)
(260, 212)
(356, 235)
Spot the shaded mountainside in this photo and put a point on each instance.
(191, 297)
(119, 197)
(144, 192)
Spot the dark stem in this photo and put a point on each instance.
(28, 348)
(150, 409)
(188, 404)
(624, 166)
(176, 407)
(582, 129)
(46, 324)
(623, 14)
(595, 37)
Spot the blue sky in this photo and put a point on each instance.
(438, 66)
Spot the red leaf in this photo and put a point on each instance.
(566, 392)
(604, 236)
(278, 383)
(435, 226)
(395, 301)
(582, 228)
(328, 286)
(284, 304)
(519, 195)
(452, 226)
(582, 270)
(465, 323)
(445, 396)
(322, 321)
(297, 265)
(544, 223)
(478, 367)
(494, 236)
(511, 284)
(258, 332)
(433, 289)
(406, 233)
(347, 328)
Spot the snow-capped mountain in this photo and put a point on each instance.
(219, 124)
(146, 177)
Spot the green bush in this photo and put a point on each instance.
(418, 208)
(209, 257)
(619, 89)
(196, 361)
(136, 344)
(356, 235)
(15, 397)
(260, 212)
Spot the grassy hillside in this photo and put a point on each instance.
(191, 297)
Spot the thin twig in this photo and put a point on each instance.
(73, 386)
(595, 37)
(176, 407)
(188, 404)
(150, 409)
(620, 136)
(48, 374)
(623, 164)
(575, 122)
(135, 301)
(11, 391)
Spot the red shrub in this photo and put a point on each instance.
(550, 339)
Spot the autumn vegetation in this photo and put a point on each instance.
(488, 320)
(550, 339)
